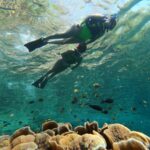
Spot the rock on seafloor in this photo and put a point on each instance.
(62, 136)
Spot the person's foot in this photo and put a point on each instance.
(43, 83)
(40, 83)
(36, 84)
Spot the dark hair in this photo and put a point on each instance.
(81, 47)
(112, 22)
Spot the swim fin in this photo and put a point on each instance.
(40, 83)
(36, 44)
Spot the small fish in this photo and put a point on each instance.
(31, 102)
(75, 100)
(109, 100)
(96, 107)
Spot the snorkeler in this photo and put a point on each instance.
(69, 58)
(90, 29)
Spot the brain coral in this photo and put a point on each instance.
(62, 136)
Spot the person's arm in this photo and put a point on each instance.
(78, 63)
(90, 41)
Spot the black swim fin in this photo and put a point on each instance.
(41, 83)
(36, 44)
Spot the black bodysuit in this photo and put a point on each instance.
(96, 25)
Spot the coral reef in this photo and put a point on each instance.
(58, 136)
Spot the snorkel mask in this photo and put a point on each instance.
(110, 22)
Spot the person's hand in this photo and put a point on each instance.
(72, 68)
(45, 41)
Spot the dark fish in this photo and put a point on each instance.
(105, 111)
(96, 107)
(41, 100)
(20, 122)
(7, 8)
(75, 100)
(5, 123)
(109, 100)
(31, 102)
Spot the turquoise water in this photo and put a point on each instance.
(118, 62)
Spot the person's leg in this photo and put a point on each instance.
(71, 40)
(59, 66)
(74, 30)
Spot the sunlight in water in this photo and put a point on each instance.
(82, 8)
